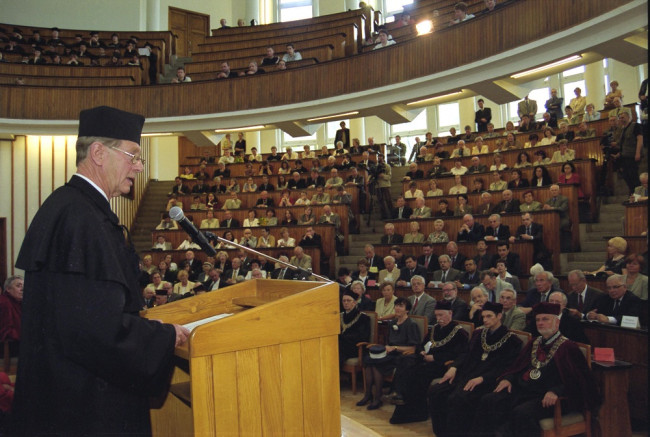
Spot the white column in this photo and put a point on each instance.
(252, 11)
(357, 129)
(153, 15)
(253, 140)
(628, 80)
(595, 84)
(377, 128)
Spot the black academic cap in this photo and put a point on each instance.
(94, 32)
(161, 292)
(133, 37)
(54, 28)
(38, 48)
(107, 122)
(495, 307)
(443, 305)
(36, 31)
(148, 44)
(17, 30)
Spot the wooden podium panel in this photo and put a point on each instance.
(268, 370)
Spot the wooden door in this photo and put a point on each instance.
(190, 29)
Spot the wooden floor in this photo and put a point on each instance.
(376, 420)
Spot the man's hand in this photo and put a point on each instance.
(182, 334)
(427, 358)
(504, 384)
(549, 400)
(449, 375)
(472, 383)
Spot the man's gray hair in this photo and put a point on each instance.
(83, 144)
(444, 257)
(616, 277)
(388, 257)
(511, 290)
(549, 275)
(577, 273)
(418, 278)
(9, 281)
(565, 300)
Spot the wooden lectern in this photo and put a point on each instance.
(269, 369)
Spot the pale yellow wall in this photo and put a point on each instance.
(164, 158)
(31, 168)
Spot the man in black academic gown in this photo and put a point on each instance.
(492, 348)
(88, 362)
(548, 367)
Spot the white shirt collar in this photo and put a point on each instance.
(93, 184)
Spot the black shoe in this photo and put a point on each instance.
(375, 405)
(364, 401)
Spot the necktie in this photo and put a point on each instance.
(426, 262)
(492, 296)
(400, 213)
(581, 303)
(543, 298)
(528, 230)
(282, 273)
(617, 307)
(234, 274)
(444, 276)
(415, 305)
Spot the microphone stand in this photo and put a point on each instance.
(303, 273)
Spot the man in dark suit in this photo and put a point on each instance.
(507, 204)
(401, 210)
(236, 274)
(311, 239)
(283, 272)
(446, 272)
(570, 327)
(228, 221)
(390, 237)
(375, 262)
(618, 302)
(470, 230)
(412, 269)
(476, 166)
(214, 281)
(482, 259)
(533, 232)
(470, 277)
(196, 266)
(343, 135)
(495, 230)
(428, 259)
(437, 169)
(582, 298)
(482, 117)
(459, 308)
(511, 259)
(264, 201)
(200, 188)
(314, 180)
(180, 188)
(265, 185)
(540, 292)
(457, 259)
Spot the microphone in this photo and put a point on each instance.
(177, 215)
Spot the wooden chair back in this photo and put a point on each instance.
(423, 325)
(523, 336)
(374, 318)
(467, 326)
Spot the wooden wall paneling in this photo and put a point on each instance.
(312, 399)
(636, 218)
(293, 403)
(223, 416)
(331, 397)
(271, 380)
(176, 416)
(433, 57)
(248, 391)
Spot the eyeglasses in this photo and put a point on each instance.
(134, 158)
(614, 287)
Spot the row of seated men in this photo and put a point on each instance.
(451, 266)
(169, 281)
(450, 377)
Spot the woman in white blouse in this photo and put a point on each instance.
(433, 189)
(413, 192)
(458, 187)
(549, 138)
(285, 240)
(385, 306)
(458, 168)
(252, 220)
(498, 163)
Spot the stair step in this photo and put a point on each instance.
(591, 257)
(604, 227)
(582, 265)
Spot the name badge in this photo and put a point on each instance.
(630, 322)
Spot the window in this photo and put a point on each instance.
(289, 140)
(448, 117)
(333, 126)
(540, 95)
(574, 71)
(291, 10)
(568, 90)
(419, 124)
(393, 6)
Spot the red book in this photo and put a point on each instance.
(605, 354)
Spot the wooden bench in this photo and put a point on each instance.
(326, 232)
(212, 75)
(178, 256)
(83, 81)
(636, 218)
(549, 219)
(19, 70)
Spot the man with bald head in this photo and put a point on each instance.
(470, 230)
(618, 302)
(508, 204)
(583, 298)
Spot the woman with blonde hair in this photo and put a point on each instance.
(385, 306)
(438, 235)
(184, 285)
(414, 236)
(615, 262)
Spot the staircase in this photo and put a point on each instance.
(169, 72)
(594, 236)
(153, 203)
(371, 233)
